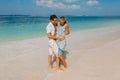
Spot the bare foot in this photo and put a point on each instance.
(65, 68)
(50, 67)
(59, 70)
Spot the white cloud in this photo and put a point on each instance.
(92, 2)
(69, 1)
(57, 5)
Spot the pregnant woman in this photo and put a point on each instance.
(62, 31)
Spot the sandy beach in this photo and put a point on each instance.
(93, 54)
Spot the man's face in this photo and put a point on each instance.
(54, 21)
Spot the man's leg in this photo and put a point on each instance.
(50, 61)
(50, 58)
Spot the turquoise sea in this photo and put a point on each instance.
(25, 27)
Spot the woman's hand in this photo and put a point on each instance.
(63, 37)
(60, 38)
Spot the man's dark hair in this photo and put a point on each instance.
(53, 16)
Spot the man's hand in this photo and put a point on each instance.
(59, 38)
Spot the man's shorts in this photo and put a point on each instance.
(53, 48)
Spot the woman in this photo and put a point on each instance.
(62, 31)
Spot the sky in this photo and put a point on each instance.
(60, 7)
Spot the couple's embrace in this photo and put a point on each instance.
(57, 32)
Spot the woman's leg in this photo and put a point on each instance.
(57, 63)
(63, 60)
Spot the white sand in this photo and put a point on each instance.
(93, 55)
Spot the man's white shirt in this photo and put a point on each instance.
(50, 29)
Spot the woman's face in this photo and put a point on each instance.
(62, 21)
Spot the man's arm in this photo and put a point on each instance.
(51, 37)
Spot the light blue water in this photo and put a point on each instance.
(24, 27)
(83, 23)
(21, 31)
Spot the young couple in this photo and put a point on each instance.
(57, 32)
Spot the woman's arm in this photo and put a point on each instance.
(67, 29)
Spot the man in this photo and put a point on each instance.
(53, 49)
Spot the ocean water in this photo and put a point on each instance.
(25, 27)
